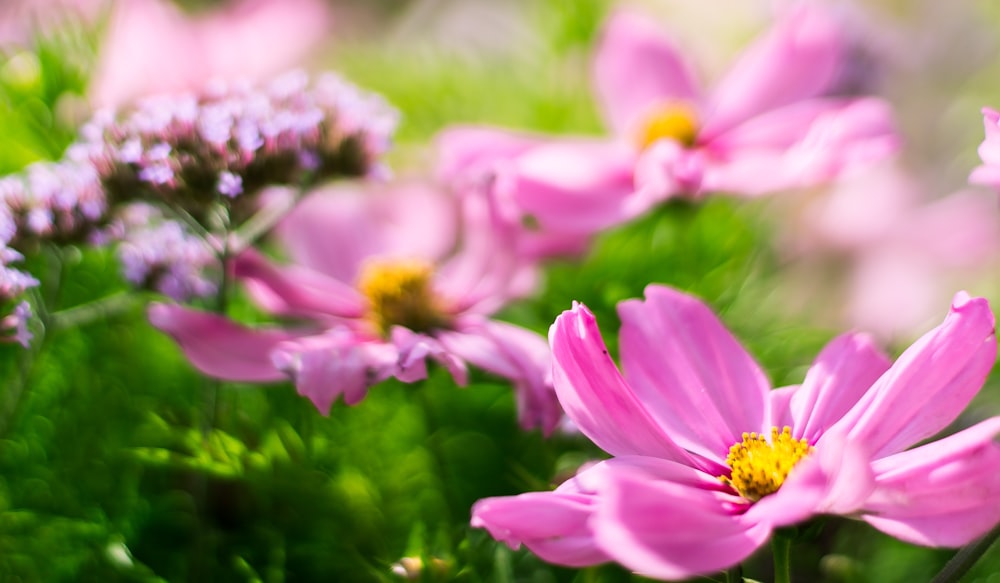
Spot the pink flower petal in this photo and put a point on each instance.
(664, 170)
(489, 207)
(334, 364)
(774, 129)
(467, 152)
(670, 530)
(218, 346)
(517, 354)
(576, 186)
(488, 271)
(940, 494)
(414, 349)
(835, 479)
(779, 407)
(838, 378)
(636, 68)
(554, 525)
(294, 290)
(596, 397)
(247, 40)
(988, 173)
(800, 146)
(689, 372)
(333, 231)
(795, 60)
(930, 384)
(986, 176)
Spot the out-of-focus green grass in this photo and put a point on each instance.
(115, 465)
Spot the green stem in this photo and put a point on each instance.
(14, 395)
(42, 296)
(781, 546)
(966, 557)
(86, 313)
(735, 574)
(213, 385)
(433, 443)
(260, 224)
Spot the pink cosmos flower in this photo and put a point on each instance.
(878, 232)
(709, 461)
(988, 173)
(379, 281)
(152, 47)
(768, 125)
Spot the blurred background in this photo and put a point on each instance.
(106, 470)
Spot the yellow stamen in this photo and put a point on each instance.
(400, 294)
(760, 467)
(672, 120)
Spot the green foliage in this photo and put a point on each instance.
(41, 95)
(119, 462)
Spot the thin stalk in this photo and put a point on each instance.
(966, 557)
(42, 296)
(261, 223)
(14, 397)
(221, 306)
(111, 305)
(781, 548)
(433, 442)
(210, 405)
(735, 574)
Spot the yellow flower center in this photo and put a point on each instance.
(673, 120)
(760, 467)
(399, 293)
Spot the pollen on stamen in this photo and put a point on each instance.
(759, 467)
(400, 293)
(673, 120)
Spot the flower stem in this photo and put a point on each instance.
(13, 398)
(966, 557)
(781, 546)
(262, 223)
(86, 313)
(735, 574)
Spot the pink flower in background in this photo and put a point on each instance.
(23, 20)
(879, 232)
(767, 126)
(382, 288)
(152, 47)
(709, 460)
(988, 173)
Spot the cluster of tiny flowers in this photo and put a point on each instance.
(192, 151)
(158, 253)
(53, 201)
(13, 284)
(58, 202)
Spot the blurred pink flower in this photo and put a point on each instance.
(988, 173)
(153, 47)
(881, 233)
(708, 460)
(767, 126)
(379, 280)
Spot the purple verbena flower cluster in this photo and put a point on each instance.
(51, 201)
(13, 284)
(236, 139)
(158, 253)
(206, 157)
(48, 201)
